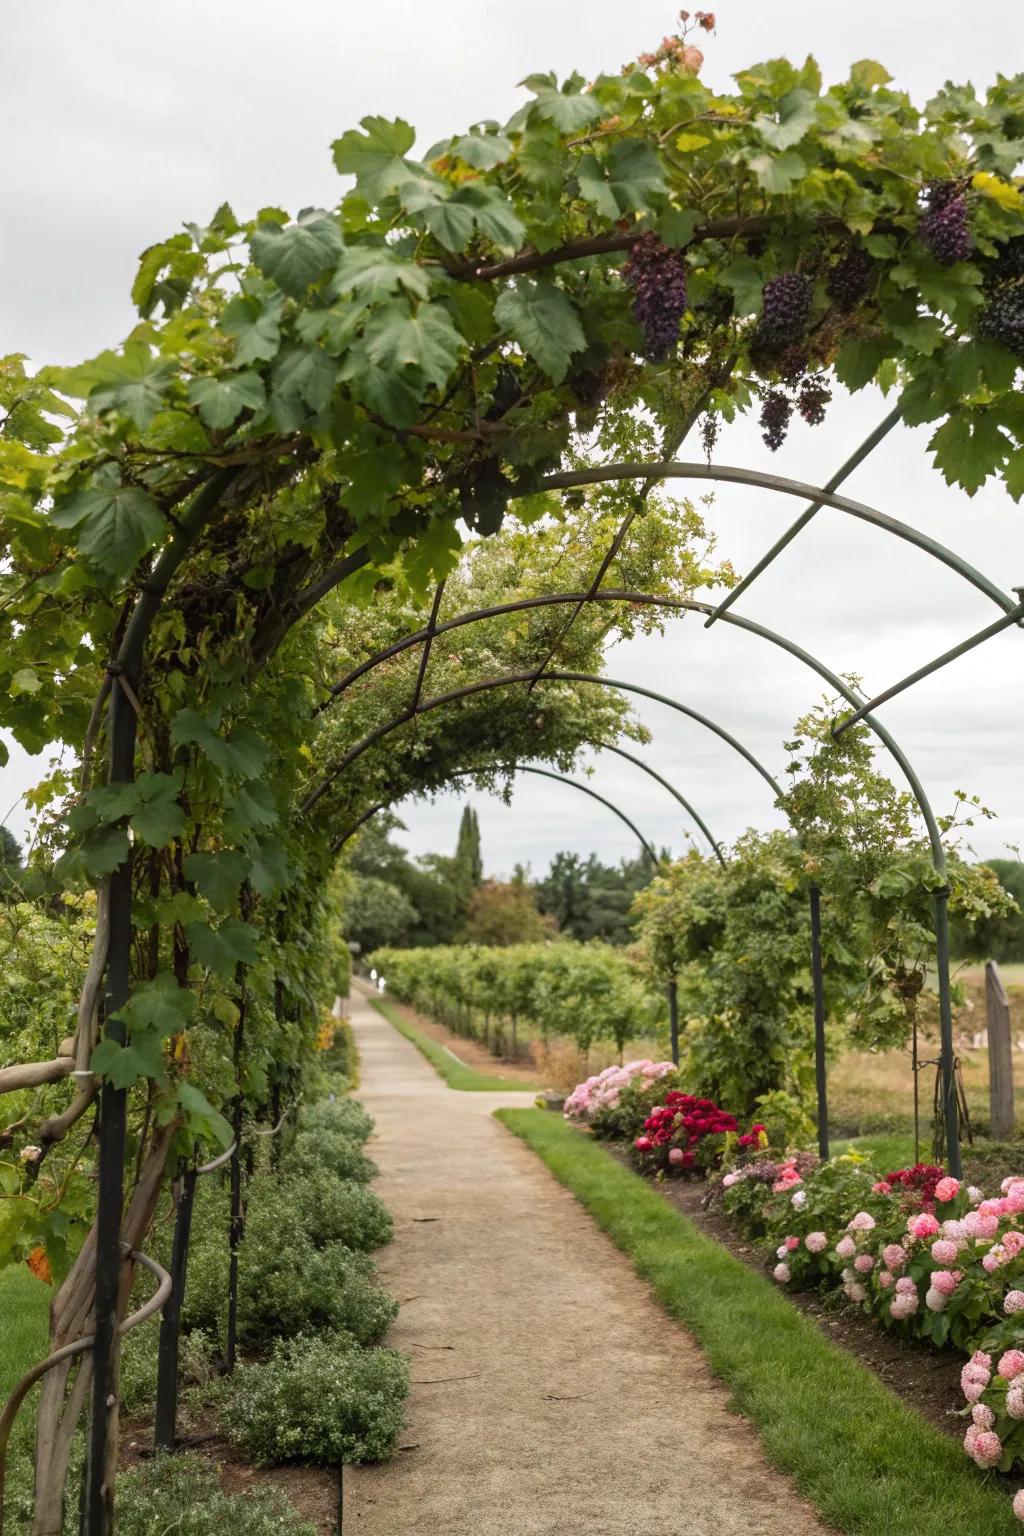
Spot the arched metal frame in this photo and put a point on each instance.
(1012, 613)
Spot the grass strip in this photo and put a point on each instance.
(24, 1324)
(455, 1073)
(869, 1464)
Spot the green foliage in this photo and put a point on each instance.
(1000, 936)
(183, 1493)
(591, 900)
(502, 913)
(319, 1399)
(329, 1209)
(455, 1073)
(467, 850)
(345, 1116)
(332, 1150)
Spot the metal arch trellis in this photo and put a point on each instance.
(1012, 613)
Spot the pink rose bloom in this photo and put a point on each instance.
(1011, 1364)
(1015, 1400)
(816, 1242)
(906, 1286)
(885, 1279)
(947, 1189)
(1013, 1302)
(895, 1257)
(983, 1416)
(792, 1243)
(675, 1155)
(864, 1264)
(643, 1143)
(846, 1248)
(781, 1273)
(946, 1280)
(881, 1188)
(944, 1250)
(1018, 1504)
(988, 1448)
(923, 1225)
(862, 1222)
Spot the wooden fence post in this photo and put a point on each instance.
(1000, 1054)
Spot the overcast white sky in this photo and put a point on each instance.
(122, 121)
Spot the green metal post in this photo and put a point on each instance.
(673, 1019)
(818, 977)
(949, 1104)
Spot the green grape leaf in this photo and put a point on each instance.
(968, 449)
(745, 280)
(250, 810)
(676, 226)
(427, 341)
(220, 949)
(483, 151)
(219, 875)
(544, 322)
(103, 851)
(271, 870)
(203, 1119)
(376, 272)
(159, 1005)
(569, 109)
(220, 402)
(241, 753)
(255, 329)
(630, 180)
(306, 375)
(134, 383)
(797, 113)
(296, 255)
(778, 174)
(124, 1065)
(376, 157)
(115, 526)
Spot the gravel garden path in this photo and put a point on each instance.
(551, 1393)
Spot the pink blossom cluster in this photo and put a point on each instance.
(604, 1090)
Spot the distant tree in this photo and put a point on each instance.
(467, 850)
(378, 913)
(591, 900)
(996, 938)
(10, 862)
(503, 912)
(432, 887)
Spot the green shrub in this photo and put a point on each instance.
(321, 1400)
(345, 1116)
(331, 1210)
(182, 1494)
(286, 1285)
(333, 1150)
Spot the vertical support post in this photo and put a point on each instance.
(1000, 1055)
(98, 1503)
(673, 1019)
(946, 1067)
(820, 1063)
(166, 1424)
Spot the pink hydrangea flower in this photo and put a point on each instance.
(947, 1189)
(1013, 1242)
(983, 1416)
(1018, 1504)
(944, 1250)
(781, 1251)
(799, 1200)
(1015, 1400)
(906, 1286)
(781, 1273)
(1013, 1302)
(881, 1188)
(855, 1291)
(864, 1264)
(979, 1225)
(862, 1222)
(729, 1180)
(1011, 1364)
(973, 1390)
(903, 1307)
(934, 1300)
(816, 1242)
(923, 1225)
(946, 1280)
(885, 1279)
(792, 1244)
(994, 1259)
(895, 1257)
(846, 1247)
(988, 1447)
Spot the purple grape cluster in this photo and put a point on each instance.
(943, 225)
(776, 410)
(657, 276)
(785, 312)
(1008, 265)
(848, 280)
(1002, 319)
(814, 396)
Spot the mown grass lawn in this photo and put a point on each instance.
(869, 1464)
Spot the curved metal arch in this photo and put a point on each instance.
(686, 605)
(509, 680)
(733, 474)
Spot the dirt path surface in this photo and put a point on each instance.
(552, 1396)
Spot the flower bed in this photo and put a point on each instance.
(917, 1251)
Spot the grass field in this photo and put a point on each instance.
(24, 1332)
(865, 1460)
